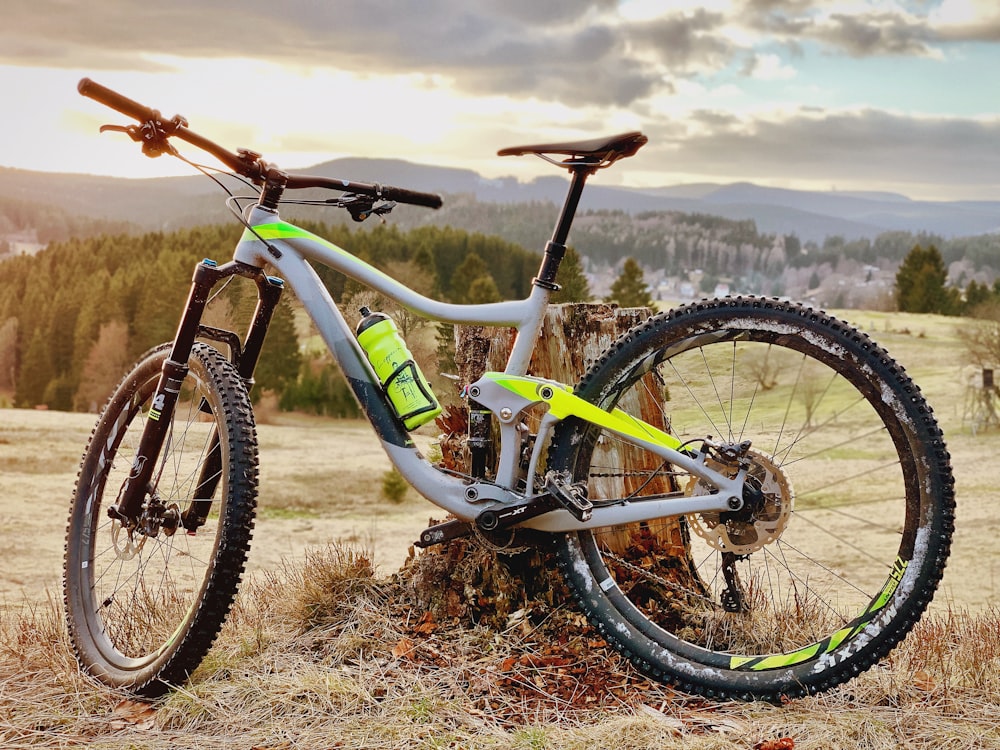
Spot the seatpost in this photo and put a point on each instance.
(556, 248)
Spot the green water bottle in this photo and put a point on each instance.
(408, 390)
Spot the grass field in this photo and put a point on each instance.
(320, 483)
(365, 677)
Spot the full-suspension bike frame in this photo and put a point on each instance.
(269, 241)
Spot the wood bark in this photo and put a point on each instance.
(466, 578)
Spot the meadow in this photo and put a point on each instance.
(322, 649)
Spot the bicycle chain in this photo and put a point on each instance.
(644, 473)
(489, 544)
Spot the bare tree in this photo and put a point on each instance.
(982, 336)
(105, 364)
(763, 367)
(812, 384)
(8, 354)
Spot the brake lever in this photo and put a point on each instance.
(152, 134)
(132, 131)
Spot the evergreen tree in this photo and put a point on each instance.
(975, 295)
(572, 279)
(483, 290)
(65, 296)
(629, 289)
(8, 354)
(920, 283)
(423, 259)
(35, 372)
(445, 352)
(471, 269)
(280, 359)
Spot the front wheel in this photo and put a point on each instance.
(835, 555)
(144, 605)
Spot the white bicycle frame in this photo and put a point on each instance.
(287, 248)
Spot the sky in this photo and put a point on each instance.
(873, 95)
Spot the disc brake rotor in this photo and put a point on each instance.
(127, 545)
(746, 531)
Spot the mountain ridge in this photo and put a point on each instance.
(810, 215)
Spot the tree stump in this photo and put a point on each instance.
(471, 579)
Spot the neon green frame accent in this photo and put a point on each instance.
(564, 403)
(282, 230)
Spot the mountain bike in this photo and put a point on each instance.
(775, 528)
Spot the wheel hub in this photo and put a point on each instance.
(756, 524)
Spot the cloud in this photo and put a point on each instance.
(767, 67)
(567, 50)
(873, 32)
(878, 34)
(685, 41)
(599, 66)
(850, 146)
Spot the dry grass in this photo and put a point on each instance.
(324, 652)
(328, 654)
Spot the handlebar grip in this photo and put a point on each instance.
(414, 197)
(116, 101)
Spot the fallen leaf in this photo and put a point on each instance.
(403, 648)
(785, 743)
(516, 617)
(136, 714)
(923, 681)
(426, 624)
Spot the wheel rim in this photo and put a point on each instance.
(825, 558)
(142, 593)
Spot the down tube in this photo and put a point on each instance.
(442, 490)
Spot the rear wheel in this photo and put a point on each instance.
(143, 607)
(839, 555)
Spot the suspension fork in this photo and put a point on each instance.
(269, 289)
(245, 359)
(207, 274)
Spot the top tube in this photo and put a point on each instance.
(272, 240)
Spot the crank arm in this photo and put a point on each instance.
(443, 532)
(497, 518)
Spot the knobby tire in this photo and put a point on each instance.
(143, 610)
(820, 579)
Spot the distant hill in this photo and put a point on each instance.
(165, 203)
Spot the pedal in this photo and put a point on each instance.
(572, 497)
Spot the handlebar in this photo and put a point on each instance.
(116, 101)
(242, 162)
